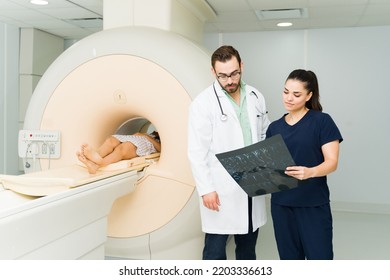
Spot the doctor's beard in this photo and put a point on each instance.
(232, 87)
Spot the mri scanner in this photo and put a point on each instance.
(121, 80)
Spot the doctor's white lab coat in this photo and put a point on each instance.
(209, 135)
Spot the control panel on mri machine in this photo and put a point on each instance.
(36, 144)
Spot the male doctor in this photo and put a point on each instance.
(227, 115)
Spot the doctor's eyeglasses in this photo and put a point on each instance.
(234, 76)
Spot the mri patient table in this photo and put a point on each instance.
(59, 213)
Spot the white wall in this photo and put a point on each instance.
(9, 99)
(38, 49)
(352, 65)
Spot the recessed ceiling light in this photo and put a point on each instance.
(39, 2)
(284, 24)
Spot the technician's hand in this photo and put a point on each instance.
(211, 201)
(299, 172)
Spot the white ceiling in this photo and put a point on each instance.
(75, 19)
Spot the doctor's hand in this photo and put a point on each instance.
(211, 201)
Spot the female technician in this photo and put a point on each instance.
(302, 216)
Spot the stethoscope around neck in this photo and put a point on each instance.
(224, 116)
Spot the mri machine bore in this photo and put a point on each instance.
(119, 80)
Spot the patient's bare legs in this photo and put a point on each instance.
(91, 166)
(112, 150)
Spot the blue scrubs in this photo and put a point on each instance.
(302, 217)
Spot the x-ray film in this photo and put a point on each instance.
(259, 168)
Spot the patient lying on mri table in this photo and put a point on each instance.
(119, 147)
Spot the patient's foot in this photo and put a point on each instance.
(91, 166)
(91, 154)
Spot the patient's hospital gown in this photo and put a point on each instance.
(144, 146)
